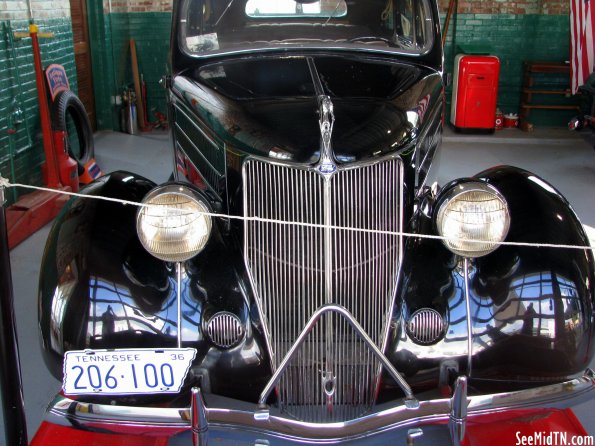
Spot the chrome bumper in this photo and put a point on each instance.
(225, 413)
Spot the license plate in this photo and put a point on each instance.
(126, 371)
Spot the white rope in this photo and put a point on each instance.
(4, 183)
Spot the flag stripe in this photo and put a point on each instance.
(582, 49)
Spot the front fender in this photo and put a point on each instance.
(530, 309)
(89, 242)
(100, 289)
(533, 306)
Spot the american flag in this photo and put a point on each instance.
(582, 32)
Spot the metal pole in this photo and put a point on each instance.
(179, 302)
(53, 175)
(13, 405)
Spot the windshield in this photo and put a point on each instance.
(218, 26)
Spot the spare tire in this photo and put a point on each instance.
(69, 114)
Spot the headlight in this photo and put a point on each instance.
(172, 226)
(474, 218)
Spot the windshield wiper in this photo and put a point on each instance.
(224, 11)
(332, 16)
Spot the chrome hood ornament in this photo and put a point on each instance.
(326, 165)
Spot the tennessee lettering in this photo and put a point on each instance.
(108, 357)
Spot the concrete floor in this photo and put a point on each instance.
(565, 159)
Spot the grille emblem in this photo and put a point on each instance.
(327, 168)
(426, 326)
(328, 383)
(225, 330)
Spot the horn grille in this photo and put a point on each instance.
(426, 326)
(225, 330)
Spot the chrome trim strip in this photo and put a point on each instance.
(206, 180)
(413, 434)
(261, 313)
(420, 163)
(457, 422)
(327, 374)
(312, 168)
(466, 266)
(197, 150)
(326, 167)
(81, 415)
(179, 107)
(318, 87)
(410, 400)
(211, 154)
(179, 303)
(401, 222)
(198, 418)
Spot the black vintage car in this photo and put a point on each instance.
(298, 280)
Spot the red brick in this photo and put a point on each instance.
(552, 7)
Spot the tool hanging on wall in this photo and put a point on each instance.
(137, 86)
(451, 10)
(147, 125)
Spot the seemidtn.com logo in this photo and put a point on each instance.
(553, 439)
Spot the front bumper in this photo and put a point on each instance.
(238, 422)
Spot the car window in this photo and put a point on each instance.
(291, 8)
(210, 27)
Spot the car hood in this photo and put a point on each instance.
(269, 106)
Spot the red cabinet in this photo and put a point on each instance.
(475, 92)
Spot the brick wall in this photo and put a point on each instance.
(509, 7)
(137, 6)
(21, 149)
(42, 9)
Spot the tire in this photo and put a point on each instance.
(80, 146)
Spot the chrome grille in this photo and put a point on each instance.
(426, 326)
(225, 330)
(295, 269)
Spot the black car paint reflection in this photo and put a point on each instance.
(539, 322)
(97, 303)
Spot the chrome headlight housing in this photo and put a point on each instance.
(173, 224)
(473, 217)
